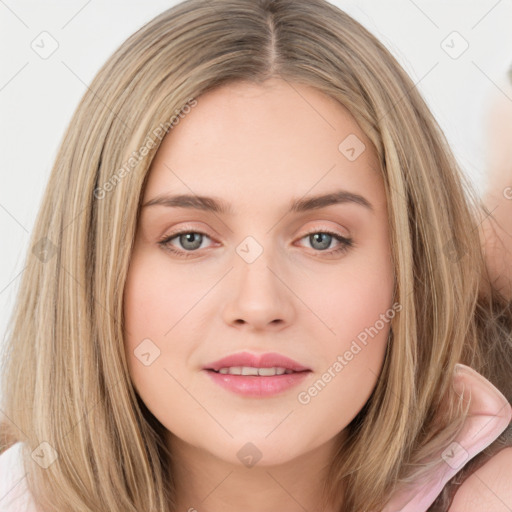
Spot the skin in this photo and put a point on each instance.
(257, 148)
(488, 488)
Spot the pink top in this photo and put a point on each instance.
(489, 415)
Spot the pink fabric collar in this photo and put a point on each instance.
(489, 415)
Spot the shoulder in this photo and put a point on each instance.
(489, 488)
(13, 490)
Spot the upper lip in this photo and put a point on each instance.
(268, 360)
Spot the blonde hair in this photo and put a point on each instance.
(66, 378)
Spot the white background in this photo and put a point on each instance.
(38, 96)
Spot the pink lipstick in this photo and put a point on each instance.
(256, 375)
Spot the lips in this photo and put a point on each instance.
(268, 360)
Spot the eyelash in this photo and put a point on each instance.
(346, 243)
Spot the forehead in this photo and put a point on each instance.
(277, 139)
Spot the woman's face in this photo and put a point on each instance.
(257, 275)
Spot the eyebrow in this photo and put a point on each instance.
(217, 205)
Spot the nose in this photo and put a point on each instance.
(259, 295)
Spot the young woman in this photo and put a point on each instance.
(257, 282)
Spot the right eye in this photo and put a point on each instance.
(191, 241)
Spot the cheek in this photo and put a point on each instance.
(355, 296)
(152, 307)
(356, 309)
(360, 303)
(156, 297)
(352, 358)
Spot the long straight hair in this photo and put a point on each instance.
(65, 377)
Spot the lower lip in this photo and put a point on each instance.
(251, 385)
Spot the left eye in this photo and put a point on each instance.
(191, 241)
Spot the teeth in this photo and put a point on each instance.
(248, 370)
